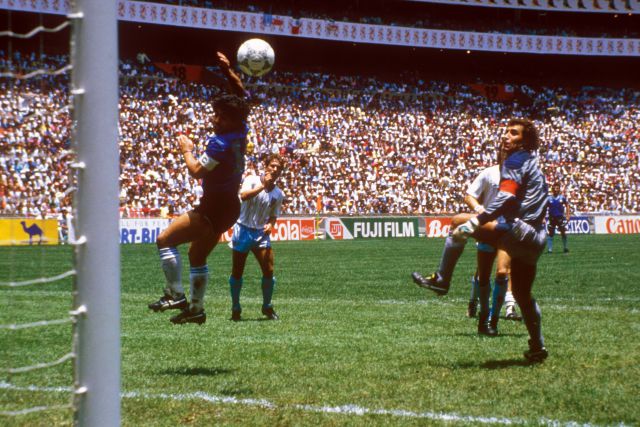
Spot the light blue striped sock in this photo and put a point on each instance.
(499, 291)
(198, 278)
(172, 267)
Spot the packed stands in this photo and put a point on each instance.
(355, 145)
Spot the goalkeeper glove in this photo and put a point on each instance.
(463, 231)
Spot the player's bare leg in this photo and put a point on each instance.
(184, 229)
(439, 281)
(199, 250)
(485, 265)
(500, 287)
(523, 276)
(511, 312)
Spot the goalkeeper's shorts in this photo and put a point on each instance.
(556, 222)
(523, 241)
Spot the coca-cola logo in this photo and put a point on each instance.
(307, 230)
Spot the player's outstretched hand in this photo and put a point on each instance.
(463, 231)
(223, 61)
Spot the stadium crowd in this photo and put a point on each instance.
(354, 145)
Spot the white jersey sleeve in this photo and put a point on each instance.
(486, 185)
(256, 211)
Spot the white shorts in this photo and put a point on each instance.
(245, 239)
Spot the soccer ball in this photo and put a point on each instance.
(255, 57)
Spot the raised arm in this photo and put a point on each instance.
(235, 83)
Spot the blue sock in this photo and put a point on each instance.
(499, 292)
(268, 284)
(564, 242)
(235, 286)
(474, 289)
(549, 243)
(450, 255)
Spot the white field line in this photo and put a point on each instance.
(559, 304)
(549, 302)
(348, 409)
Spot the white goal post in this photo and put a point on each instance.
(94, 87)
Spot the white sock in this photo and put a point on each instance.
(509, 300)
(198, 277)
(172, 267)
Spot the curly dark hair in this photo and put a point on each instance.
(232, 106)
(530, 137)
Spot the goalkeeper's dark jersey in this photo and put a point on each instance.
(523, 190)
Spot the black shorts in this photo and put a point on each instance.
(221, 210)
(558, 222)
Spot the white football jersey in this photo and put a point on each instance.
(486, 186)
(255, 212)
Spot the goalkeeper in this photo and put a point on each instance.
(522, 201)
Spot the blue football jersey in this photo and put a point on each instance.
(556, 205)
(228, 150)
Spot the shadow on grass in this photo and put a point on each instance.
(209, 372)
(474, 334)
(502, 364)
(497, 364)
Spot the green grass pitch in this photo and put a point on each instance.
(357, 343)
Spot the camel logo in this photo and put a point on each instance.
(14, 231)
(32, 230)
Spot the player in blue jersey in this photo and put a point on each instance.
(220, 168)
(522, 201)
(558, 217)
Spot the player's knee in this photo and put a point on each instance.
(162, 241)
(267, 271)
(196, 257)
(502, 273)
(459, 219)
